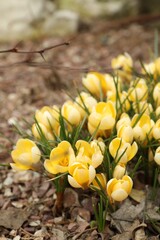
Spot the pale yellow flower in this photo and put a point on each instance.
(100, 143)
(47, 122)
(157, 111)
(149, 68)
(150, 155)
(138, 91)
(157, 156)
(81, 175)
(121, 102)
(118, 190)
(102, 118)
(100, 181)
(119, 171)
(153, 68)
(144, 127)
(60, 158)
(26, 155)
(156, 94)
(142, 106)
(126, 133)
(85, 101)
(39, 129)
(124, 63)
(95, 83)
(49, 117)
(71, 113)
(156, 130)
(89, 153)
(123, 121)
(122, 151)
(157, 68)
(124, 129)
(112, 84)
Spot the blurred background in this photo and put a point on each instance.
(20, 19)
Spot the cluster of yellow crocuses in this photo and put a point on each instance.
(105, 126)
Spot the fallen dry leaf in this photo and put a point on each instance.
(58, 234)
(13, 218)
(140, 234)
(137, 195)
(70, 198)
(126, 214)
(129, 232)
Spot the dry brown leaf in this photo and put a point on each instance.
(58, 234)
(130, 231)
(80, 214)
(82, 227)
(152, 214)
(43, 189)
(70, 198)
(126, 214)
(140, 234)
(137, 195)
(13, 218)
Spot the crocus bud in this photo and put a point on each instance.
(26, 155)
(118, 190)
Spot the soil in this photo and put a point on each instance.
(27, 199)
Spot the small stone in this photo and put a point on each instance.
(17, 204)
(22, 176)
(39, 233)
(8, 181)
(17, 237)
(12, 121)
(8, 192)
(13, 233)
(58, 219)
(35, 223)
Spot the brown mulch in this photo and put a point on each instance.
(27, 200)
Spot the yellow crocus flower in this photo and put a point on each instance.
(156, 94)
(95, 83)
(60, 157)
(142, 127)
(138, 91)
(157, 156)
(100, 181)
(89, 153)
(71, 113)
(118, 190)
(119, 171)
(81, 175)
(26, 155)
(102, 118)
(122, 151)
(85, 102)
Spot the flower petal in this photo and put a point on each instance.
(73, 182)
(119, 195)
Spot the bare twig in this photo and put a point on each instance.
(41, 51)
(45, 64)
